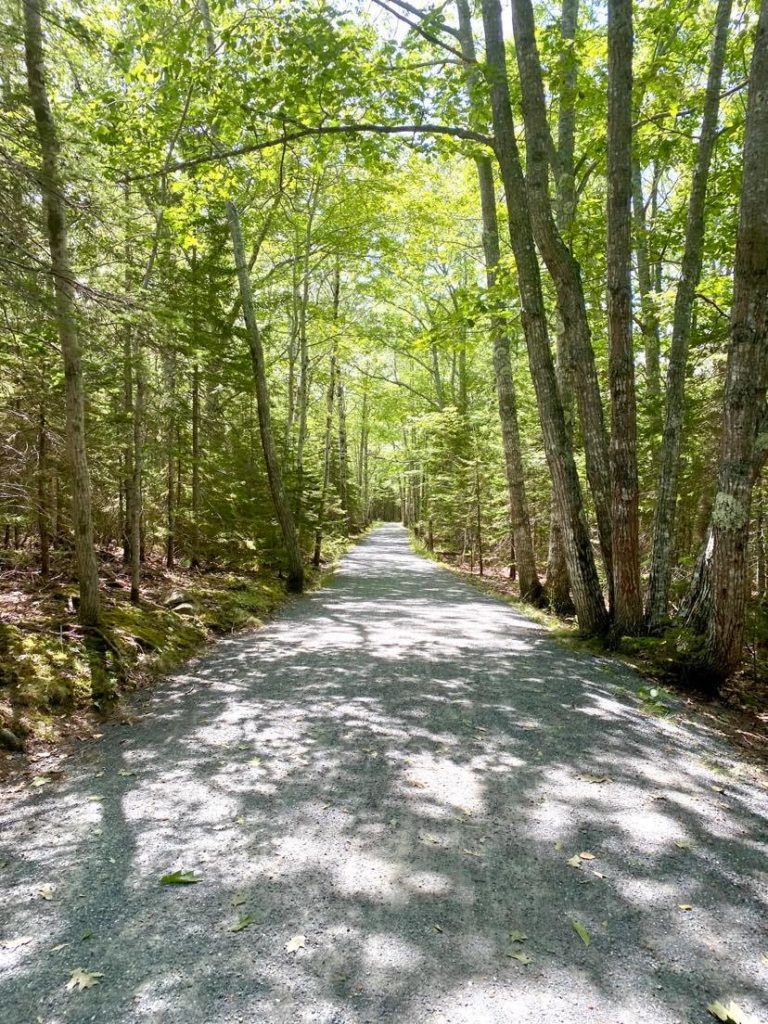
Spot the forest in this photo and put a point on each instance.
(274, 271)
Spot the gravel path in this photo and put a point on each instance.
(399, 770)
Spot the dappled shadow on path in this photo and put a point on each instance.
(398, 769)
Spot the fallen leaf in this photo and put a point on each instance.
(685, 906)
(581, 931)
(242, 922)
(255, 762)
(517, 936)
(587, 855)
(180, 878)
(40, 780)
(471, 853)
(683, 844)
(764, 958)
(82, 979)
(46, 891)
(731, 1014)
(61, 945)
(437, 927)
(95, 797)
(238, 900)
(597, 874)
(15, 943)
(125, 772)
(519, 955)
(575, 861)
(85, 936)
(295, 944)
(717, 789)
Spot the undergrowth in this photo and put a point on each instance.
(50, 670)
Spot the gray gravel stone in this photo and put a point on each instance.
(399, 769)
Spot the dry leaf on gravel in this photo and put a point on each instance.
(296, 943)
(82, 979)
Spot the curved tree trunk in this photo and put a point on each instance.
(565, 272)
(528, 579)
(274, 473)
(587, 595)
(64, 292)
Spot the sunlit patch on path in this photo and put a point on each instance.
(406, 774)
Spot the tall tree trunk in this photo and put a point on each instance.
(328, 444)
(628, 602)
(565, 272)
(558, 584)
(43, 491)
(745, 379)
(137, 464)
(529, 583)
(343, 455)
(195, 553)
(64, 292)
(295, 562)
(666, 495)
(649, 320)
(585, 584)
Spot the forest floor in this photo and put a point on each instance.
(399, 801)
(739, 712)
(46, 671)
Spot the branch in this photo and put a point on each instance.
(340, 129)
(429, 36)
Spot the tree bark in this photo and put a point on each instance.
(745, 380)
(528, 578)
(565, 272)
(327, 448)
(295, 580)
(43, 490)
(64, 292)
(628, 602)
(557, 582)
(587, 595)
(666, 494)
(649, 320)
(195, 553)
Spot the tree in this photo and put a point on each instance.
(64, 288)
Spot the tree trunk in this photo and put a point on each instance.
(43, 490)
(274, 475)
(557, 582)
(343, 455)
(628, 601)
(529, 583)
(136, 505)
(327, 449)
(64, 292)
(666, 494)
(745, 379)
(565, 273)
(587, 595)
(649, 320)
(195, 553)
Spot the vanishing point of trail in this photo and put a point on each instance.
(403, 772)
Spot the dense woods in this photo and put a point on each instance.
(272, 271)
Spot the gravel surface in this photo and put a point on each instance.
(398, 769)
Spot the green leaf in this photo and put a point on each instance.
(519, 955)
(517, 936)
(180, 878)
(581, 931)
(242, 922)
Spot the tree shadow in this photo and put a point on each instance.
(400, 770)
